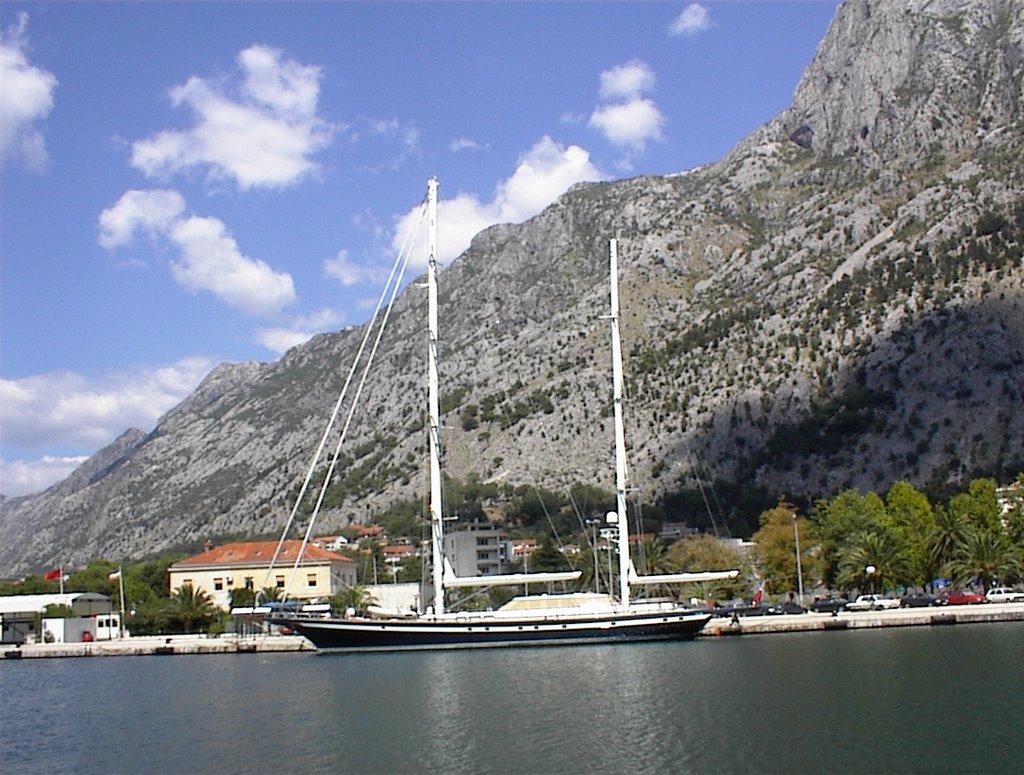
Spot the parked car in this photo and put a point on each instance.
(873, 603)
(787, 607)
(829, 605)
(918, 600)
(960, 597)
(1004, 595)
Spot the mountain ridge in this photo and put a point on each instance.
(825, 307)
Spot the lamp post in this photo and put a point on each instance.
(869, 571)
(799, 569)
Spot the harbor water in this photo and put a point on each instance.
(927, 700)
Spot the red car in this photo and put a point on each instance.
(960, 597)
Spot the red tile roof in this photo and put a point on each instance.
(259, 553)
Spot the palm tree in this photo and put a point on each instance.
(984, 555)
(192, 607)
(946, 537)
(355, 597)
(874, 559)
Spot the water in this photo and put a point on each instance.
(917, 700)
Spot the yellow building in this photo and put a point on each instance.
(220, 570)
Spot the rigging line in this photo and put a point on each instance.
(551, 524)
(334, 414)
(598, 578)
(695, 463)
(395, 288)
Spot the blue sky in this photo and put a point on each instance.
(185, 184)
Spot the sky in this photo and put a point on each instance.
(187, 184)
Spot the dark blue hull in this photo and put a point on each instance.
(399, 635)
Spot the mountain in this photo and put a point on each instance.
(839, 302)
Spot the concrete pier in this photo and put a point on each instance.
(854, 620)
(160, 645)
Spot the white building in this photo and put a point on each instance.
(21, 616)
(220, 570)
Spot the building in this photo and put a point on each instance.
(331, 543)
(477, 550)
(220, 570)
(21, 616)
(1010, 497)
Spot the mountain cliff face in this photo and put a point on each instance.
(837, 303)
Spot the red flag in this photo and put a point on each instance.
(52, 575)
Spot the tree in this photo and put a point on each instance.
(651, 558)
(776, 549)
(242, 597)
(874, 561)
(355, 597)
(191, 609)
(945, 539)
(547, 557)
(910, 514)
(840, 519)
(150, 617)
(978, 507)
(705, 552)
(986, 556)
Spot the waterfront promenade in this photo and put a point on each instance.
(160, 645)
(717, 627)
(855, 620)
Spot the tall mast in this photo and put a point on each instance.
(433, 403)
(620, 433)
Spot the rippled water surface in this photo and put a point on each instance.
(928, 700)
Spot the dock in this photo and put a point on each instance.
(857, 620)
(160, 645)
(168, 645)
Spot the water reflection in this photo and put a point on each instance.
(914, 700)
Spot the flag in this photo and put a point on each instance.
(115, 575)
(52, 575)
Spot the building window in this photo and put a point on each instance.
(218, 584)
(311, 580)
(279, 582)
(248, 582)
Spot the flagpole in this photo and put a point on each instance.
(60, 570)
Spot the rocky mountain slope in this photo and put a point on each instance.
(839, 302)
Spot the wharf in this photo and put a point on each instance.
(717, 627)
(855, 620)
(160, 645)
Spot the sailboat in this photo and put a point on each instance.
(527, 620)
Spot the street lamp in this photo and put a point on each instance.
(870, 571)
(799, 569)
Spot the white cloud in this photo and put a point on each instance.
(348, 272)
(25, 100)
(211, 261)
(89, 412)
(543, 174)
(262, 135)
(151, 212)
(463, 144)
(209, 257)
(694, 18)
(631, 120)
(301, 330)
(630, 124)
(627, 81)
(24, 477)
